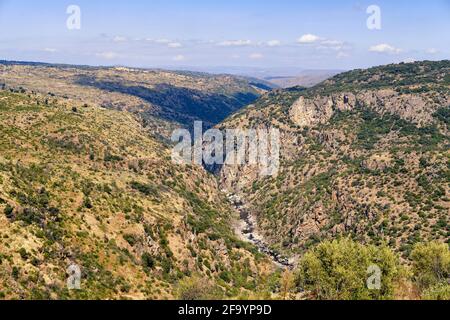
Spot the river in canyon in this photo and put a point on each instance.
(247, 231)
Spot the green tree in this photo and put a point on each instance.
(286, 284)
(340, 270)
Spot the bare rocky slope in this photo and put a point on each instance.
(364, 154)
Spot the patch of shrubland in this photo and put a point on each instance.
(92, 187)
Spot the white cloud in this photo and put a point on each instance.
(432, 51)
(169, 43)
(332, 44)
(256, 56)
(119, 39)
(273, 43)
(179, 57)
(107, 55)
(51, 50)
(174, 45)
(385, 48)
(321, 43)
(308, 38)
(409, 60)
(235, 43)
(235, 56)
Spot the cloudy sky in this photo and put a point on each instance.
(320, 34)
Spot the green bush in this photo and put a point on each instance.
(437, 292)
(9, 212)
(87, 203)
(443, 114)
(198, 288)
(131, 239)
(31, 216)
(146, 189)
(339, 270)
(225, 276)
(431, 264)
(23, 254)
(112, 158)
(148, 261)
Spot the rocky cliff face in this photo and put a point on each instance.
(416, 108)
(363, 154)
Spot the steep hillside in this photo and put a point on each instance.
(159, 97)
(89, 186)
(364, 154)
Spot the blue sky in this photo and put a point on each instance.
(320, 34)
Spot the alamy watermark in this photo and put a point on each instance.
(374, 20)
(74, 279)
(74, 20)
(253, 147)
(374, 277)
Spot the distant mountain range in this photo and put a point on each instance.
(282, 77)
(307, 78)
